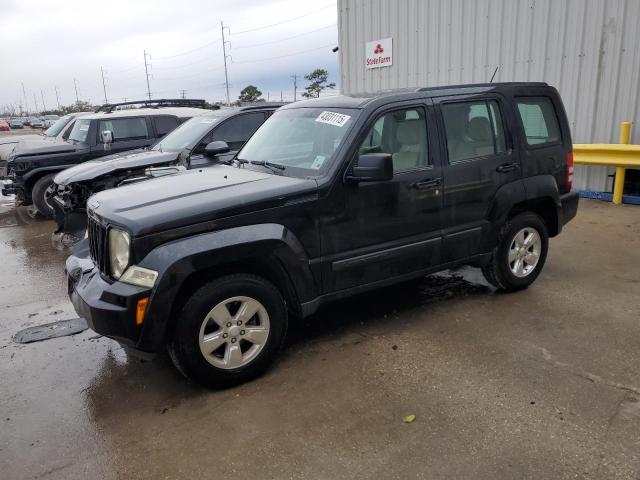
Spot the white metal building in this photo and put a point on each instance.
(588, 49)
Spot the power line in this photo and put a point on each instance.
(183, 66)
(283, 21)
(188, 51)
(284, 39)
(284, 56)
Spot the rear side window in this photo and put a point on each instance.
(474, 129)
(539, 120)
(125, 128)
(164, 124)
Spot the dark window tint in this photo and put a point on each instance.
(474, 129)
(237, 130)
(539, 120)
(403, 134)
(125, 128)
(164, 124)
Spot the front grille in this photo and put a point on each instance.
(97, 234)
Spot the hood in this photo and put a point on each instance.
(40, 146)
(195, 196)
(19, 138)
(95, 169)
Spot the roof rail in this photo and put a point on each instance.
(162, 102)
(472, 85)
(257, 105)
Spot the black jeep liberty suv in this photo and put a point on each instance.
(329, 198)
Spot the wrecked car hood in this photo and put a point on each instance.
(196, 196)
(132, 159)
(39, 146)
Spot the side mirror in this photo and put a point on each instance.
(106, 136)
(372, 167)
(216, 148)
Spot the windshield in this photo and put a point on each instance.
(301, 139)
(57, 127)
(187, 135)
(80, 131)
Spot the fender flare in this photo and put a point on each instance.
(37, 172)
(176, 261)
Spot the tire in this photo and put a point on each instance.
(40, 198)
(207, 314)
(503, 271)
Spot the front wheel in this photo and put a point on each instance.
(41, 197)
(520, 253)
(229, 331)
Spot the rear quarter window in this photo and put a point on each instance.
(539, 120)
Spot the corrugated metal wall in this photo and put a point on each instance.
(588, 49)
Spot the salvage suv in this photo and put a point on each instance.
(194, 144)
(329, 198)
(31, 165)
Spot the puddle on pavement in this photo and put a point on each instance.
(58, 329)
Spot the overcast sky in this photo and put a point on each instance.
(49, 43)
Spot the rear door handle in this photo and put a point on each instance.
(426, 184)
(507, 167)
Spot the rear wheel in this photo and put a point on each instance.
(229, 331)
(41, 199)
(520, 253)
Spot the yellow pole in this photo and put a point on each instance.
(618, 184)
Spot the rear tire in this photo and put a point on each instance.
(40, 198)
(519, 254)
(229, 331)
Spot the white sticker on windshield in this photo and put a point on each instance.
(84, 128)
(333, 118)
(317, 163)
(208, 120)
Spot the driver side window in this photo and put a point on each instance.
(403, 134)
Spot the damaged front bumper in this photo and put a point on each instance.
(69, 217)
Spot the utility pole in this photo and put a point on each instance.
(146, 71)
(104, 86)
(44, 107)
(295, 87)
(281, 95)
(75, 85)
(268, 97)
(224, 53)
(35, 102)
(55, 87)
(24, 95)
(183, 94)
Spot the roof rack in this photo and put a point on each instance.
(162, 102)
(258, 105)
(472, 85)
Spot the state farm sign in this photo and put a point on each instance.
(379, 53)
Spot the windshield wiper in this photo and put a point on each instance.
(263, 163)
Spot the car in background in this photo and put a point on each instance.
(58, 131)
(16, 123)
(193, 144)
(35, 122)
(49, 120)
(31, 166)
(4, 126)
(26, 121)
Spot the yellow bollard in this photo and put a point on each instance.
(618, 184)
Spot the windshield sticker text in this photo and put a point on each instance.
(333, 118)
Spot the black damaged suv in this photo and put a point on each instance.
(329, 198)
(32, 165)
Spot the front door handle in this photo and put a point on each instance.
(507, 167)
(426, 184)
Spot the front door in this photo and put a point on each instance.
(480, 160)
(382, 230)
(129, 133)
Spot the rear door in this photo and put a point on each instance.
(163, 124)
(480, 159)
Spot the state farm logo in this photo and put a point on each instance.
(379, 53)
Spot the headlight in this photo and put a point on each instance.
(118, 251)
(142, 277)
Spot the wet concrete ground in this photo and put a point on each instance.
(540, 384)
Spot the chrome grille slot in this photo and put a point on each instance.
(97, 234)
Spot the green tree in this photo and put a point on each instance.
(249, 93)
(318, 79)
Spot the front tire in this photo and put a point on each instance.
(40, 198)
(229, 331)
(520, 253)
